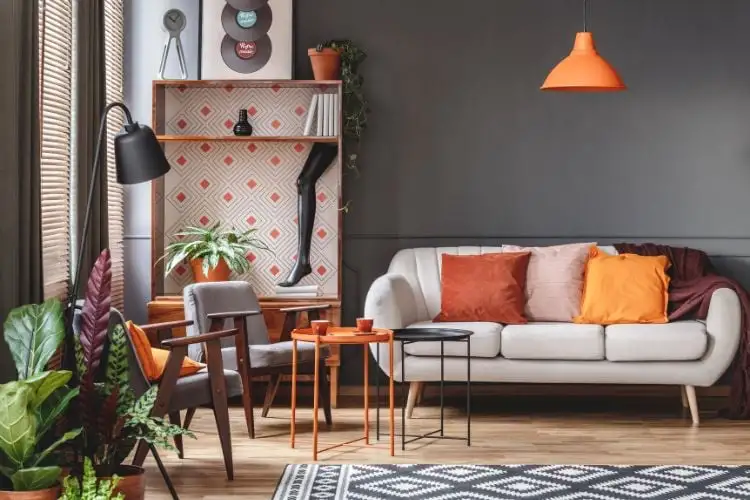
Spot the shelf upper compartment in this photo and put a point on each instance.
(251, 138)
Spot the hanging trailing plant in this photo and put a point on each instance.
(356, 107)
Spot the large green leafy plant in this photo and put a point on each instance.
(213, 245)
(90, 487)
(31, 407)
(113, 418)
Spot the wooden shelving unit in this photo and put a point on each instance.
(252, 138)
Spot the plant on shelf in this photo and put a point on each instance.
(113, 418)
(32, 406)
(213, 253)
(356, 107)
(90, 487)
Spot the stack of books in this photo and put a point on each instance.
(298, 292)
(324, 114)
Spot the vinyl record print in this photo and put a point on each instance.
(246, 26)
(246, 57)
(247, 39)
(247, 5)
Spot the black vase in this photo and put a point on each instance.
(243, 127)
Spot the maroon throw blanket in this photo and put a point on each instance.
(693, 281)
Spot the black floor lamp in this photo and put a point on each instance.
(138, 158)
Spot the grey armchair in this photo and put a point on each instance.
(211, 386)
(233, 304)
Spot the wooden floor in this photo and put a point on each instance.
(535, 430)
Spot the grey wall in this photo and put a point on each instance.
(144, 42)
(464, 149)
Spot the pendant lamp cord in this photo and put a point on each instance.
(585, 15)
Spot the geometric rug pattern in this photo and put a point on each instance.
(513, 482)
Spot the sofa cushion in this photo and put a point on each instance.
(678, 341)
(559, 341)
(485, 343)
(483, 288)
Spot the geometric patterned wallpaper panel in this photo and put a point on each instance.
(252, 185)
(248, 184)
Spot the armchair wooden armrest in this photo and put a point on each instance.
(198, 339)
(156, 331)
(310, 307)
(233, 314)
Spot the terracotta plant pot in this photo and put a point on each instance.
(132, 482)
(48, 494)
(326, 64)
(220, 273)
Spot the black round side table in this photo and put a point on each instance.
(408, 336)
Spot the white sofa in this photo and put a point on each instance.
(683, 353)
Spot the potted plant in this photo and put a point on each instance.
(112, 417)
(326, 61)
(213, 253)
(32, 406)
(90, 487)
(355, 103)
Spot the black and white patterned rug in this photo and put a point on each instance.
(513, 482)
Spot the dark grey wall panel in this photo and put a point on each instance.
(464, 148)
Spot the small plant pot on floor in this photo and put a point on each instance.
(132, 482)
(48, 494)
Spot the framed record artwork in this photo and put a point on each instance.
(246, 40)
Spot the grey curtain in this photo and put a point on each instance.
(20, 189)
(91, 99)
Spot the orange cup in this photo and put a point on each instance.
(320, 326)
(364, 325)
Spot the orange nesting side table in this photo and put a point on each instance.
(340, 335)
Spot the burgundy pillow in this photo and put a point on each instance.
(486, 287)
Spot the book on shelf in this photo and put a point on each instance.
(311, 115)
(331, 113)
(326, 115)
(310, 291)
(336, 116)
(321, 112)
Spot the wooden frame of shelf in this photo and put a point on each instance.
(162, 308)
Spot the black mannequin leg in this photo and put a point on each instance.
(320, 158)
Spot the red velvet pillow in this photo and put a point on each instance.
(486, 287)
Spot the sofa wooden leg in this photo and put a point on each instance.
(684, 397)
(411, 402)
(692, 403)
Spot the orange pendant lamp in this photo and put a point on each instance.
(584, 70)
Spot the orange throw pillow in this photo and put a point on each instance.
(153, 360)
(486, 287)
(624, 288)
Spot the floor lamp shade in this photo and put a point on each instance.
(584, 70)
(138, 155)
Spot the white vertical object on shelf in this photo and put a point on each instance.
(331, 106)
(321, 105)
(311, 115)
(336, 115)
(326, 116)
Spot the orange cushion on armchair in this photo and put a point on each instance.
(153, 360)
(487, 287)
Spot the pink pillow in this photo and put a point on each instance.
(554, 280)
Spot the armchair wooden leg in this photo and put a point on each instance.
(140, 453)
(174, 419)
(247, 403)
(188, 418)
(325, 393)
(221, 405)
(273, 387)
